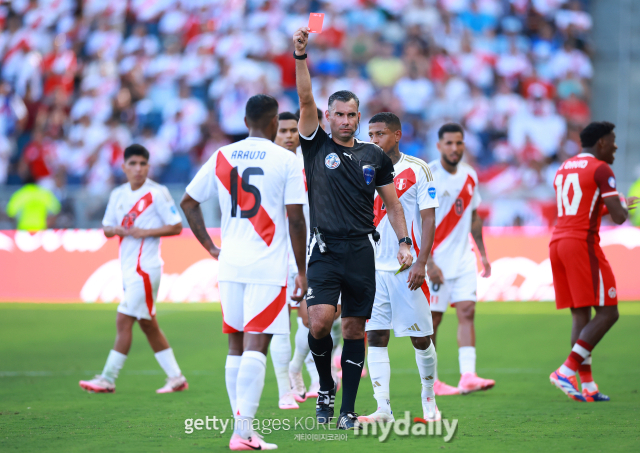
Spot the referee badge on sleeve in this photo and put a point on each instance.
(369, 173)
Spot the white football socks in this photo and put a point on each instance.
(115, 362)
(467, 359)
(311, 369)
(336, 332)
(231, 377)
(380, 372)
(280, 349)
(427, 361)
(249, 389)
(168, 362)
(302, 348)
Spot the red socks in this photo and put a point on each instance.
(581, 351)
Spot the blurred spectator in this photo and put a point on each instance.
(385, 69)
(414, 91)
(33, 207)
(537, 129)
(78, 82)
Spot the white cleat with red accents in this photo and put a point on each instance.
(176, 384)
(254, 442)
(288, 401)
(98, 385)
(430, 410)
(378, 416)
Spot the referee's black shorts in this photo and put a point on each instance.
(347, 269)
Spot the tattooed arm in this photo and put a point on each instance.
(194, 216)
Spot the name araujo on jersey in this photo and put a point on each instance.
(255, 155)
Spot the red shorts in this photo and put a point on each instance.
(582, 276)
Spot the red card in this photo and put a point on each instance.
(315, 22)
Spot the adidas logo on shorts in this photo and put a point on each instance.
(414, 328)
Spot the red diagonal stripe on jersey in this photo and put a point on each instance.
(424, 287)
(403, 182)
(262, 223)
(266, 317)
(138, 208)
(452, 218)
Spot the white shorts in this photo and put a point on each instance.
(250, 307)
(140, 292)
(397, 307)
(454, 290)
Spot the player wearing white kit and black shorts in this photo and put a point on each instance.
(343, 175)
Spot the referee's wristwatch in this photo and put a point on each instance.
(406, 240)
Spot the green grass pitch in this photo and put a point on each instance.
(46, 349)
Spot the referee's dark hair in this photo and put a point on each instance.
(594, 132)
(390, 119)
(449, 127)
(343, 96)
(136, 150)
(261, 109)
(288, 116)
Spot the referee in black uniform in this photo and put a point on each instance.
(343, 174)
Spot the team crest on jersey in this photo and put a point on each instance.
(129, 219)
(612, 182)
(332, 161)
(369, 173)
(432, 192)
(400, 183)
(459, 206)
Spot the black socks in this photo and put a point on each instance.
(321, 351)
(352, 363)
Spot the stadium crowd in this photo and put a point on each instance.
(82, 80)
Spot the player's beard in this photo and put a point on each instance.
(453, 164)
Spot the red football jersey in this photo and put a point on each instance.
(581, 184)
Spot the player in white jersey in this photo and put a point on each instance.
(402, 296)
(258, 185)
(280, 347)
(452, 266)
(140, 212)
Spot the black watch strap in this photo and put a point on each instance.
(406, 240)
(299, 57)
